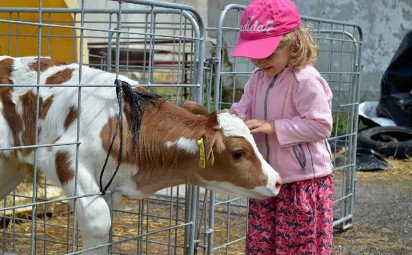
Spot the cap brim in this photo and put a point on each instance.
(257, 49)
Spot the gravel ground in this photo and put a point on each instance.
(382, 214)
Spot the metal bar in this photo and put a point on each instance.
(87, 29)
(103, 86)
(36, 135)
(24, 147)
(49, 201)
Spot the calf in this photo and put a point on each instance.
(153, 143)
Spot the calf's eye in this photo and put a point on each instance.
(238, 154)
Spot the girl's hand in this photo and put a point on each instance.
(261, 126)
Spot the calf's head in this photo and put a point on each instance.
(233, 163)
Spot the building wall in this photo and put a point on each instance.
(383, 22)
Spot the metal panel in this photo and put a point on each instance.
(159, 44)
(163, 46)
(340, 64)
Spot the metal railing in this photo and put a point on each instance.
(163, 46)
(339, 63)
(159, 44)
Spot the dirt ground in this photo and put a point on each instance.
(381, 225)
(382, 213)
(382, 222)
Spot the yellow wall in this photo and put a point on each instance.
(22, 40)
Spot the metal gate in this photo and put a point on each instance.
(340, 64)
(159, 44)
(163, 46)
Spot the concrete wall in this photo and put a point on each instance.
(383, 22)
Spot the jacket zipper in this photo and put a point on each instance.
(266, 116)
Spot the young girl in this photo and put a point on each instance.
(287, 106)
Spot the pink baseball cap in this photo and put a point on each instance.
(263, 24)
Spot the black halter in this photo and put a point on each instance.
(136, 100)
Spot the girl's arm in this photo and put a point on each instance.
(312, 100)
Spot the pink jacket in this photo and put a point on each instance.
(299, 104)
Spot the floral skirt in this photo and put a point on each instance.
(298, 221)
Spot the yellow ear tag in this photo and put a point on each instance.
(212, 158)
(202, 157)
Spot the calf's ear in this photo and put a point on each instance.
(212, 123)
(195, 108)
(213, 136)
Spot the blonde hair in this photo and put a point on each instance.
(303, 49)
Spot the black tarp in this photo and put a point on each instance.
(396, 86)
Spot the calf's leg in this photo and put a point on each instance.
(93, 213)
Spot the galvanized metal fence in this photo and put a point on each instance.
(163, 46)
(159, 44)
(340, 64)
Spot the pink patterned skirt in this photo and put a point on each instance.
(298, 221)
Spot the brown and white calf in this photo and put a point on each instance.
(165, 153)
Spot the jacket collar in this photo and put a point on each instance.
(282, 74)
